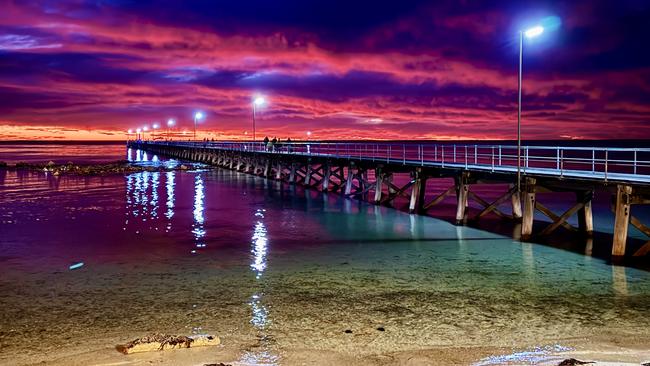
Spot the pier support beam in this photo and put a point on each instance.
(585, 216)
(327, 171)
(622, 219)
(516, 205)
(348, 182)
(292, 173)
(417, 192)
(529, 209)
(462, 195)
(379, 178)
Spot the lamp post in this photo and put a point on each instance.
(144, 130)
(170, 123)
(137, 136)
(258, 101)
(128, 134)
(154, 127)
(197, 116)
(530, 33)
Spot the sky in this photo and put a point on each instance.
(339, 69)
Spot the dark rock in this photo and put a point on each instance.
(348, 331)
(573, 362)
(381, 329)
(645, 364)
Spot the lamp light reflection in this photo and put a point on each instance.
(198, 228)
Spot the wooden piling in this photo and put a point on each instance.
(462, 194)
(529, 208)
(327, 171)
(292, 173)
(417, 191)
(516, 205)
(379, 177)
(348, 182)
(585, 216)
(622, 219)
(308, 173)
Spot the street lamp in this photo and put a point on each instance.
(529, 33)
(258, 101)
(128, 134)
(138, 133)
(170, 123)
(144, 129)
(197, 116)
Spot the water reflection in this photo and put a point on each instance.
(198, 227)
(169, 189)
(260, 243)
(259, 311)
(619, 280)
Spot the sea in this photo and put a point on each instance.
(291, 276)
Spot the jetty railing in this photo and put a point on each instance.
(601, 163)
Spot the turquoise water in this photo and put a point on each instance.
(275, 270)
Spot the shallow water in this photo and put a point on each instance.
(277, 270)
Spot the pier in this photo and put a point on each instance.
(368, 170)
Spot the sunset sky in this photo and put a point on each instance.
(341, 69)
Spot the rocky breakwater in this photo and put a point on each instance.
(70, 168)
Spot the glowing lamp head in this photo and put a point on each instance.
(155, 125)
(129, 131)
(259, 101)
(308, 133)
(170, 122)
(138, 130)
(145, 128)
(534, 31)
(198, 115)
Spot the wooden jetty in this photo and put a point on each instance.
(367, 170)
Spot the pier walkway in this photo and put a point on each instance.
(345, 166)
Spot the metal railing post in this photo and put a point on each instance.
(593, 160)
(635, 161)
(403, 154)
(475, 154)
(606, 158)
(561, 162)
(492, 158)
(465, 156)
(421, 155)
(499, 155)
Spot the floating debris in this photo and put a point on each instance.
(160, 342)
(76, 265)
(381, 329)
(348, 331)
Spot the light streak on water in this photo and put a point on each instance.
(169, 187)
(155, 182)
(198, 228)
